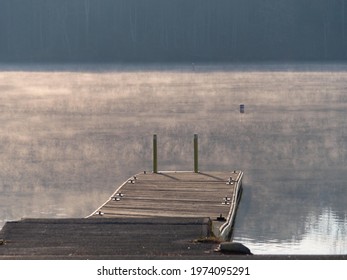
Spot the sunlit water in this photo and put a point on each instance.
(70, 135)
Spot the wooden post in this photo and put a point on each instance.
(155, 155)
(196, 163)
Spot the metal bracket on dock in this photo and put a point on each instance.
(226, 200)
(100, 213)
(230, 181)
(117, 197)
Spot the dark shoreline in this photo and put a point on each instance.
(189, 67)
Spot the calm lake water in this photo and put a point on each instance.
(70, 135)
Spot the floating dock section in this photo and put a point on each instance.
(179, 194)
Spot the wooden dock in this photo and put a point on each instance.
(151, 215)
(182, 194)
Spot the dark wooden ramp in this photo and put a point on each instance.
(105, 238)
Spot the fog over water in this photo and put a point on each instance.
(70, 135)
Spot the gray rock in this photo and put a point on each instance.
(234, 248)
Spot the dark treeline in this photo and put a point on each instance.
(172, 30)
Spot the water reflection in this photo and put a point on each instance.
(67, 139)
(323, 234)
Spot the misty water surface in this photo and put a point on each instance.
(70, 136)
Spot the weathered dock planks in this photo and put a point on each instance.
(177, 194)
(120, 238)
